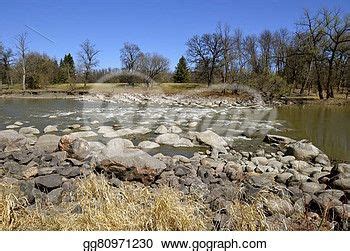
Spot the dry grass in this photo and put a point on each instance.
(106, 208)
(133, 207)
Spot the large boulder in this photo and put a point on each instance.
(128, 163)
(76, 148)
(47, 143)
(10, 140)
(303, 150)
(212, 139)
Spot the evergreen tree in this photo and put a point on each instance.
(67, 69)
(182, 74)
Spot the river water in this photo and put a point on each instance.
(328, 127)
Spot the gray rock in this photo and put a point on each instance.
(161, 130)
(85, 128)
(286, 159)
(175, 129)
(10, 140)
(148, 145)
(173, 140)
(129, 164)
(29, 130)
(311, 187)
(55, 196)
(342, 183)
(323, 160)
(342, 168)
(212, 139)
(85, 134)
(283, 177)
(75, 147)
(47, 143)
(49, 181)
(260, 161)
(50, 128)
(303, 150)
(96, 146)
(262, 180)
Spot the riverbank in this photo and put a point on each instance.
(191, 90)
(68, 183)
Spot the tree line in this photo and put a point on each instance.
(312, 59)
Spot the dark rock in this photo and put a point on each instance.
(49, 182)
(55, 196)
(269, 138)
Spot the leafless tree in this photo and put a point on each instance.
(313, 28)
(337, 43)
(87, 57)
(251, 51)
(265, 43)
(130, 54)
(207, 51)
(22, 48)
(152, 65)
(227, 50)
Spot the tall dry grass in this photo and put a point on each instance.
(131, 207)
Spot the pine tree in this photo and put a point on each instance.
(182, 74)
(67, 69)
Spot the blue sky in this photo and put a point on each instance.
(155, 25)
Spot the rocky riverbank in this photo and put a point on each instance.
(295, 178)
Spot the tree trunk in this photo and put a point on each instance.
(24, 79)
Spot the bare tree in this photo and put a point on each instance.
(87, 57)
(336, 44)
(152, 65)
(207, 51)
(251, 51)
(265, 42)
(313, 28)
(22, 47)
(227, 50)
(130, 54)
(238, 49)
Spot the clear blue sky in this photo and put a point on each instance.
(155, 25)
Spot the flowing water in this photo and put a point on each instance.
(326, 126)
